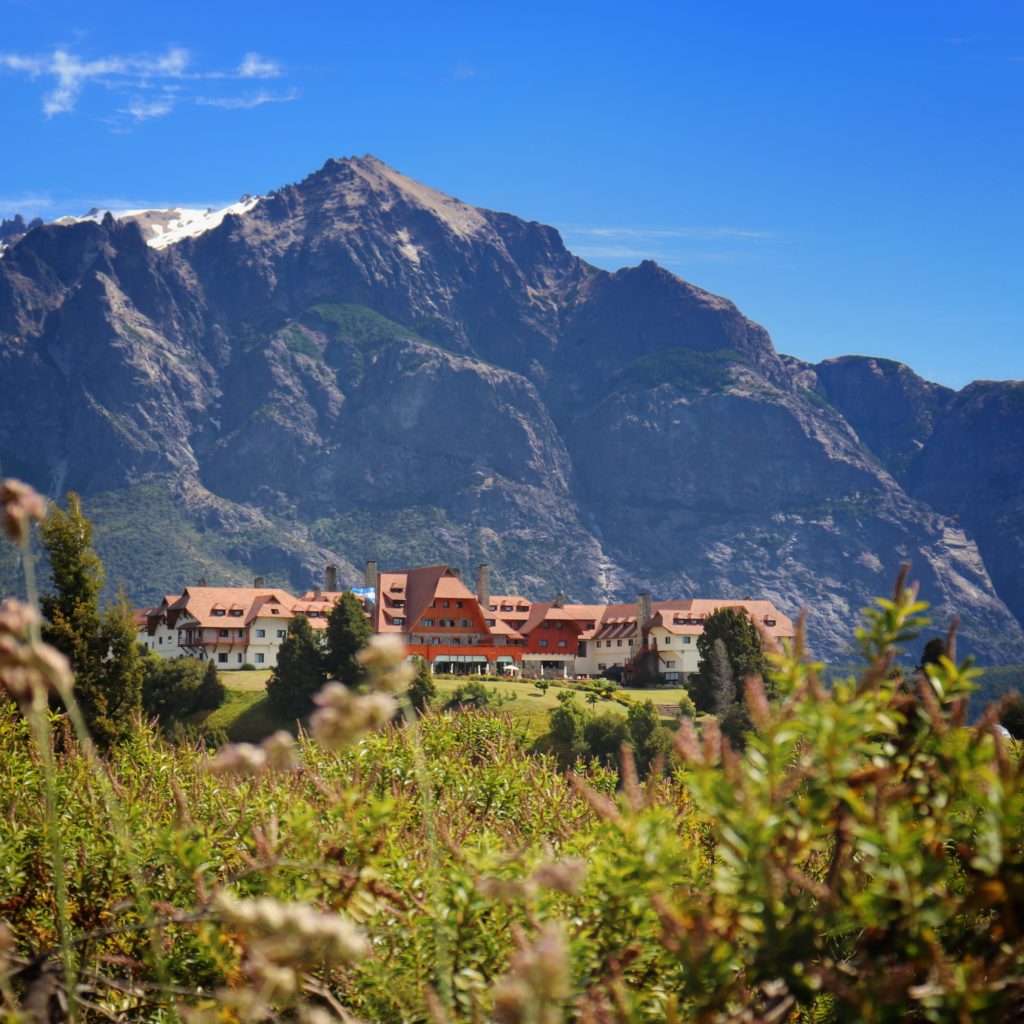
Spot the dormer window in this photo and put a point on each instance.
(236, 613)
(218, 612)
(275, 611)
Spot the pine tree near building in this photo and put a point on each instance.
(744, 654)
(101, 647)
(299, 672)
(348, 632)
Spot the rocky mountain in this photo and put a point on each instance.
(359, 366)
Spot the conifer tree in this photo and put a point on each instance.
(422, 690)
(101, 647)
(299, 672)
(348, 632)
(744, 653)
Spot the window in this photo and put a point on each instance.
(240, 633)
(601, 666)
(490, 622)
(428, 622)
(260, 633)
(259, 659)
(464, 623)
(542, 643)
(559, 625)
(618, 643)
(222, 659)
(561, 643)
(769, 622)
(239, 659)
(275, 611)
(687, 639)
(218, 611)
(222, 632)
(235, 613)
(670, 664)
(398, 620)
(444, 604)
(667, 641)
(282, 633)
(458, 604)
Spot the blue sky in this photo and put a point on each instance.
(851, 175)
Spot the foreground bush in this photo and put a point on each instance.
(861, 860)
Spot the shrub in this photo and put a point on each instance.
(173, 690)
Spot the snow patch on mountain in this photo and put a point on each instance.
(161, 228)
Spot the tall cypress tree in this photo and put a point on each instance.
(101, 647)
(299, 672)
(348, 631)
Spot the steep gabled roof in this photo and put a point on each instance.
(199, 603)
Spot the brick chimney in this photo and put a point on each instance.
(331, 578)
(559, 600)
(483, 586)
(259, 581)
(370, 574)
(202, 581)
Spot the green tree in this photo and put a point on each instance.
(348, 632)
(934, 649)
(173, 690)
(743, 649)
(101, 646)
(567, 725)
(474, 695)
(604, 736)
(422, 690)
(299, 672)
(649, 738)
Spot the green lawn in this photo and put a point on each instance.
(256, 680)
(246, 716)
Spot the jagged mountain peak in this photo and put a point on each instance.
(359, 365)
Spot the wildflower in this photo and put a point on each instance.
(562, 876)
(28, 669)
(276, 753)
(384, 656)
(280, 751)
(537, 981)
(238, 759)
(342, 716)
(293, 933)
(21, 504)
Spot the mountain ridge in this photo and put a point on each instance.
(360, 343)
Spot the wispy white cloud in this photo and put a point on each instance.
(171, 71)
(698, 233)
(249, 101)
(675, 247)
(256, 66)
(143, 110)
